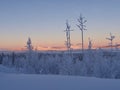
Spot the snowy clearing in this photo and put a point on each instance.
(15, 81)
(50, 82)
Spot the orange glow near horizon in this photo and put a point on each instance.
(61, 47)
(100, 42)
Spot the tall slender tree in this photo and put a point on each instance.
(111, 40)
(82, 27)
(68, 42)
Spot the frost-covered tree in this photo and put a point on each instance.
(29, 44)
(82, 27)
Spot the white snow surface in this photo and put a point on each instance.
(17, 81)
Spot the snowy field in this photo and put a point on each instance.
(10, 80)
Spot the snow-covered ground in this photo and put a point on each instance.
(4, 69)
(14, 81)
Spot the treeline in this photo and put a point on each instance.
(96, 63)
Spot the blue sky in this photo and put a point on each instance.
(44, 21)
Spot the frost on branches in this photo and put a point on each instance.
(97, 63)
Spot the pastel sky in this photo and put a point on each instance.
(44, 21)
